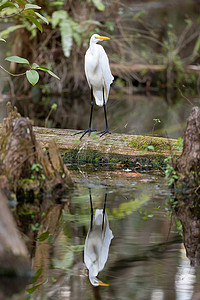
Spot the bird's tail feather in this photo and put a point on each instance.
(98, 95)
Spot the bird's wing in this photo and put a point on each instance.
(105, 245)
(107, 75)
(86, 74)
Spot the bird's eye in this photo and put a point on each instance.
(96, 37)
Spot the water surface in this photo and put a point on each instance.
(146, 258)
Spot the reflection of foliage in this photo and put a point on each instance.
(68, 258)
(128, 208)
(170, 206)
(32, 289)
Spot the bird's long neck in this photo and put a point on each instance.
(93, 48)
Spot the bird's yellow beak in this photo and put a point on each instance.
(103, 38)
(103, 284)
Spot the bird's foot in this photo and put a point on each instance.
(104, 132)
(89, 130)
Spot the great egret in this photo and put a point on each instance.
(97, 243)
(99, 77)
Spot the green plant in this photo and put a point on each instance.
(156, 121)
(145, 214)
(32, 74)
(25, 11)
(170, 173)
(37, 168)
(53, 107)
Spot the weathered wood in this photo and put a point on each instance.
(128, 68)
(28, 168)
(112, 147)
(188, 165)
(186, 187)
(188, 212)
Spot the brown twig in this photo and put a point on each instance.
(185, 97)
(13, 15)
(11, 73)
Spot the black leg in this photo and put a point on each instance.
(89, 130)
(104, 209)
(104, 106)
(91, 222)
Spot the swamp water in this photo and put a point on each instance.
(146, 258)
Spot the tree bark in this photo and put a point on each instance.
(188, 165)
(30, 171)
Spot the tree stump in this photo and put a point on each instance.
(188, 165)
(186, 188)
(189, 215)
(30, 170)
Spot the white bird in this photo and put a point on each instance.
(99, 77)
(97, 244)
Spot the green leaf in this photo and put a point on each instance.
(42, 17)
(36, 276)
(35, 21)
(197, 46)
(21, 2)
(138, 14)
(41, 68)
(32, 76)
(150, 147)
(57, 16)
(8, 4)
(43, 236)
(2, 40)
(5, 33)
(57, 3)
(98, 4)
(54, 106)
(53, 279)
(34, 288)
(17, 59)
(34, 66)
(32, 6)
(52, 74)
(66, 37)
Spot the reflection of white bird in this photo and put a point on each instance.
(99, 77)
(97, 244)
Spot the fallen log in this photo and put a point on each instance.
(134, 68)
(111, 148)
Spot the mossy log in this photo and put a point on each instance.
(111, 148)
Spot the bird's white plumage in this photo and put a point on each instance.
(97, 245)
(97, 70)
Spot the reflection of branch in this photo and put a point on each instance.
(11, 73)
(185, 97)
(12, 14)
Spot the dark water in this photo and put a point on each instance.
(130, 114)
(146, 257)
